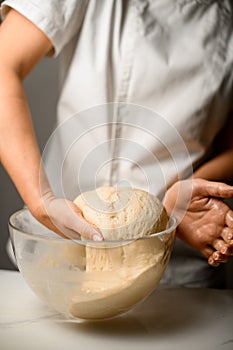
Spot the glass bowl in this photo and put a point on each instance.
(86, 279)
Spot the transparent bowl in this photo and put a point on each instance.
(86, 279)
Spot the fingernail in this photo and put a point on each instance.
(224, 250)
(97, 238)
(211, 261)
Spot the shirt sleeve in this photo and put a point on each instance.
(60, 20)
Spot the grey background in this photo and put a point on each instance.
(41, 88)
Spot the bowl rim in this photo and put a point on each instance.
(172, 227)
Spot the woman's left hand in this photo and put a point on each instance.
(205, 221)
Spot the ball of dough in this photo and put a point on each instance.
(123, 213)
(114, 280)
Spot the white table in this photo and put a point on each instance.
(169, 319)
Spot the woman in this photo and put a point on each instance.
(159, 55)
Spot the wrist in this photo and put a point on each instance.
(39, 207)
(178, 197)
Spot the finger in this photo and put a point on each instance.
(222, 247)
(229, 219)
(63, 231)
(219, 257)
(208, 251)
(70, 234)
(227, 235)
(212, 262)
(216, 258)
(211, 188)
(86, 230)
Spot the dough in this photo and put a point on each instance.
(118, 278)
(120, 274)
(122, 213)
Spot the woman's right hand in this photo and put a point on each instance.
(65, 218)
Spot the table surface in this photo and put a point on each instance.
(179, 318)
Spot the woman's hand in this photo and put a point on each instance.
(65, 218)
(205, 221)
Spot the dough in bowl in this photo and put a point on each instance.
(119, 275)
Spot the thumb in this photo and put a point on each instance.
(205, 188)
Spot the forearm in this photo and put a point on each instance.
(21, 158)
(20, 51)
(19, 152)
(220, 168)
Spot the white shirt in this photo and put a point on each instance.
(170, 65)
